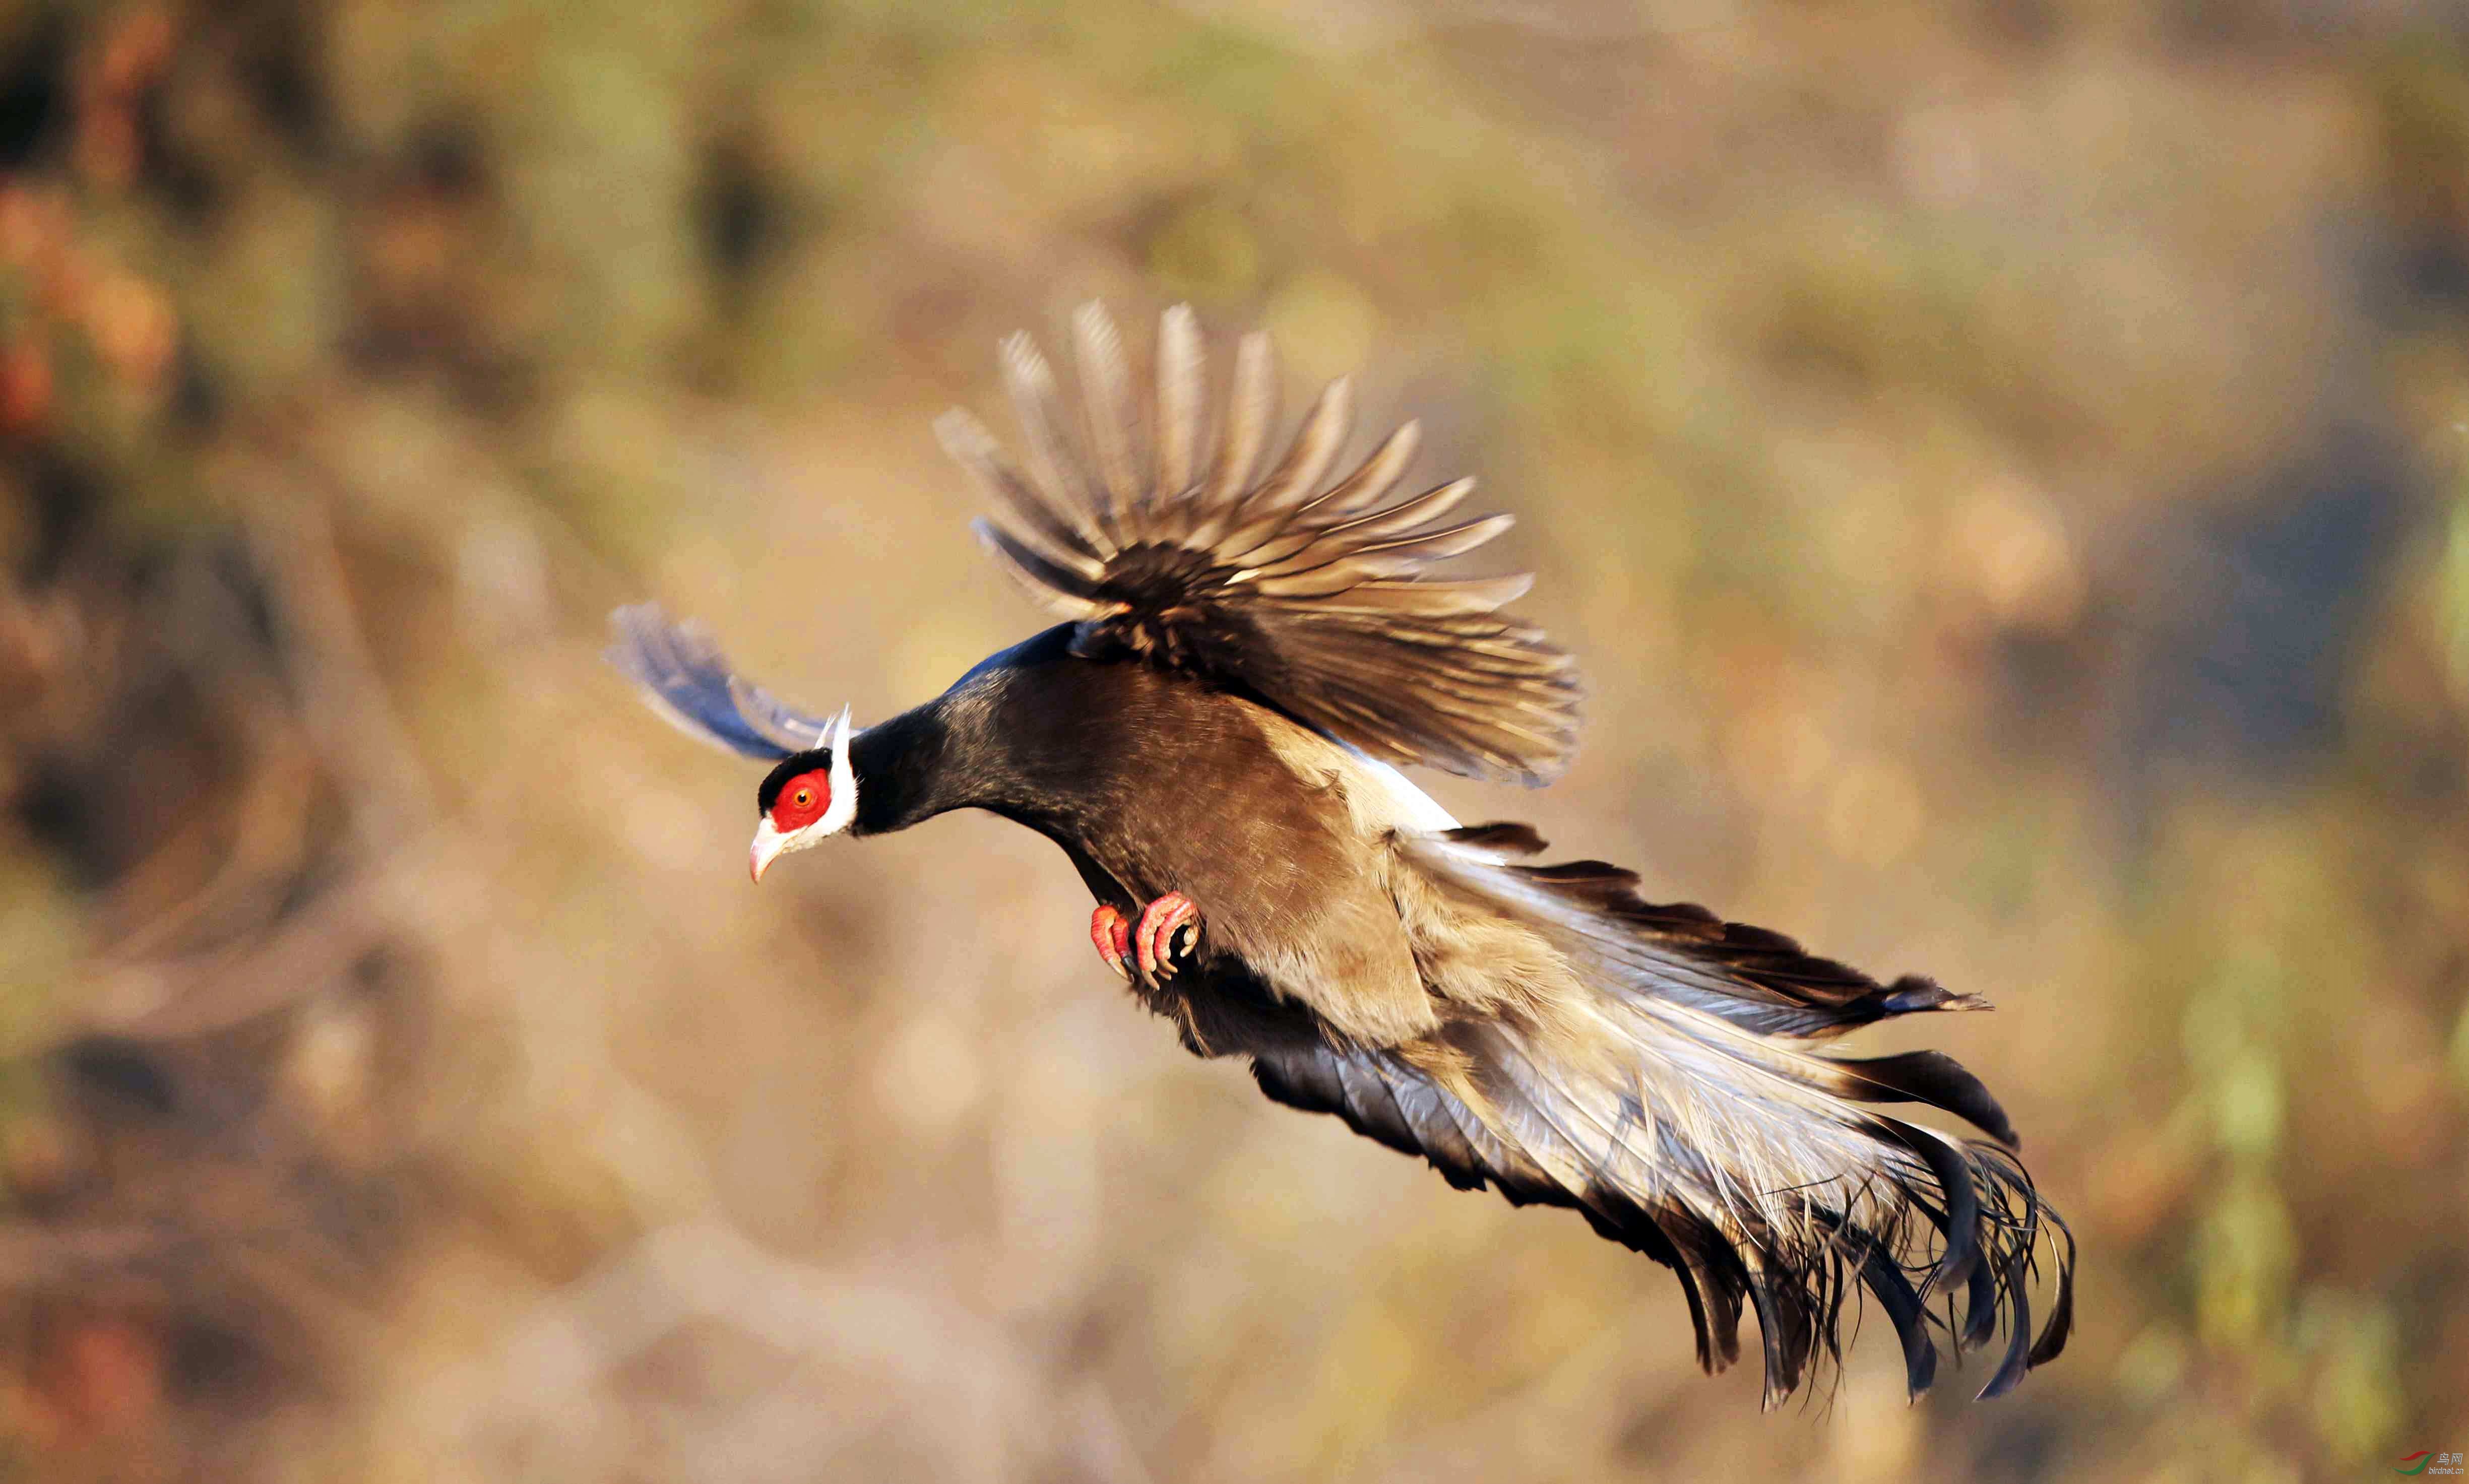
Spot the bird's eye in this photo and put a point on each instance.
(805, 798)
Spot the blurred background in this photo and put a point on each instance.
(1999, 463)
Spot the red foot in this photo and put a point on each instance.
(1113, 937)
(1169, 928)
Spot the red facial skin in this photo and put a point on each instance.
(815, 789)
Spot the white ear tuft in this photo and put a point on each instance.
(843, 805)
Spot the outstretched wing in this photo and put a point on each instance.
(686, 679)
(1315, 596)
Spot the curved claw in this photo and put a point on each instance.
(1113, 936)
(1170, 928)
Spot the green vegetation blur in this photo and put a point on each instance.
(1999, 464)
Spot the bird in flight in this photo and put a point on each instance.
(1248, 646)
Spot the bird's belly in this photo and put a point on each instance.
(1281, 837)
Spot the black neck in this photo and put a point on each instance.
(953, 752)
(901, 779)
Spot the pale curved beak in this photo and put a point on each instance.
(768, 843)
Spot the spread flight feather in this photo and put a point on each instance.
(1305, 592)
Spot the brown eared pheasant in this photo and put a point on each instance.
(1248, 647)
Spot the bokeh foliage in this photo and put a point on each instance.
(2001, 466)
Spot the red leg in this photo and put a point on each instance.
(1113, 937)
(1164, 925)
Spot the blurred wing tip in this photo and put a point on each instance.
(989, 535)
(631, 619)
(1024, 365)
(685, 678)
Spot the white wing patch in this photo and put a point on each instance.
(1415, 807)
(1378, 798)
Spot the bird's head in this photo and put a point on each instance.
(807, 799)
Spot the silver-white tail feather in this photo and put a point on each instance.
(1674, 1098)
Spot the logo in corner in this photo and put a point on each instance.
(2428, 1461)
